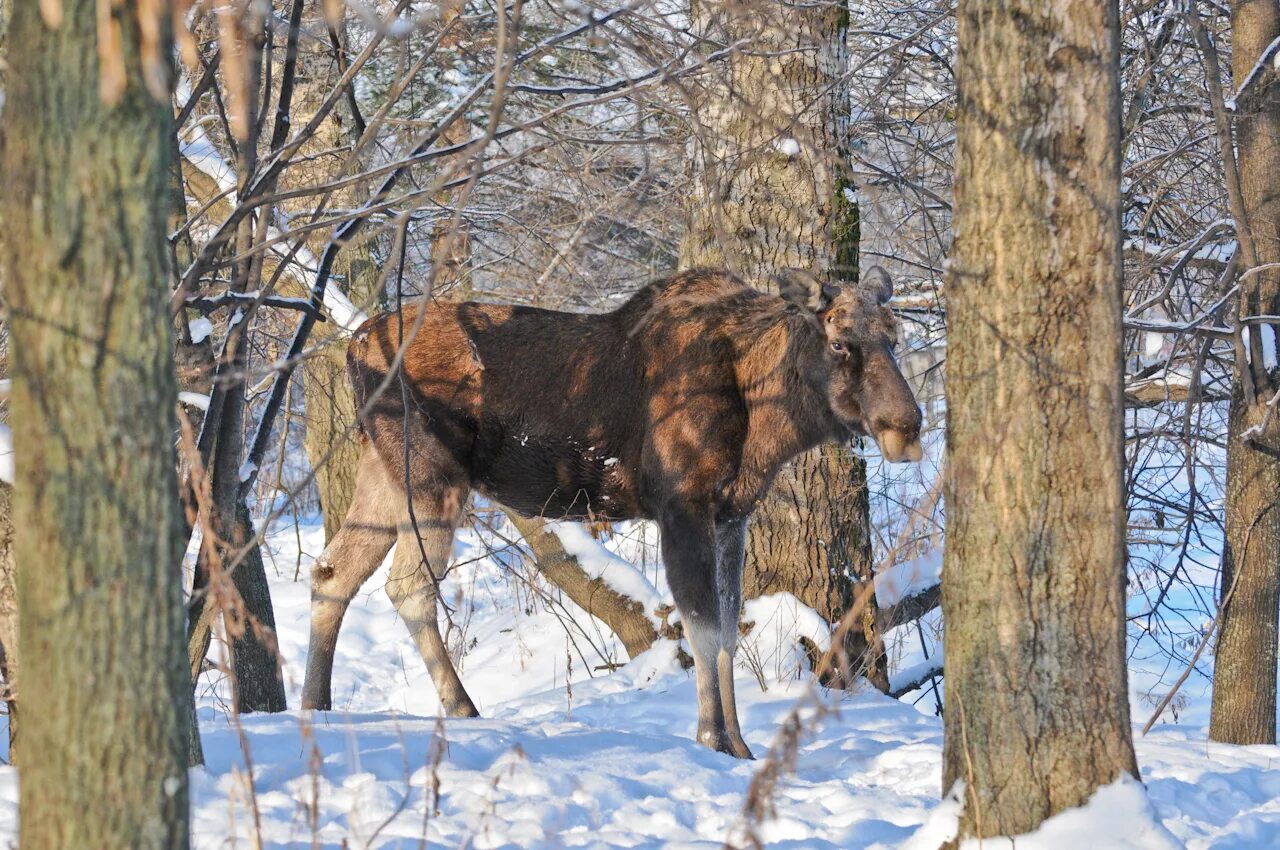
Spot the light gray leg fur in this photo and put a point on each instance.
(412, 588)
(731, 541)
(354, 554)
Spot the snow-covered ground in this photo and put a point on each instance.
(568, 755)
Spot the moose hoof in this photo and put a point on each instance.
(724, 742)
(464, 708)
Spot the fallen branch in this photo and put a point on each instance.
(909, 608)
(906, 681)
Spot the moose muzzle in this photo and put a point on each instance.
(897, 448)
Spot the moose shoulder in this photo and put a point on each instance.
(679, 407)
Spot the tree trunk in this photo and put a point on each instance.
(93, 412)
(1033, 590)
(770, 181)
(258, 683)
(221, 441)
(9, 662)
(331, 442)
(1244, 687)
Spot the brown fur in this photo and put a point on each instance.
(679, 407)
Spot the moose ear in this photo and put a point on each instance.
(801, 287)
(878, 283)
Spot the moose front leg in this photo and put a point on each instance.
(731, 549)
(702, 593)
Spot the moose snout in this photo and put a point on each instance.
(897, 447)
(899, 441)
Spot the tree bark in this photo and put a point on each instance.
(770, 193)
(1244, 687)
(331, 443)
(9, 658)
(93, 412)
(1033, 590)
(221, 440)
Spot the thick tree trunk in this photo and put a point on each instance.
(770, 179)
(1244, 687)
(1033, 590)
(93, 412)
(333, 448)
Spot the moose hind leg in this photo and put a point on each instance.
(731, 541)
(412, 587)
(354, 554)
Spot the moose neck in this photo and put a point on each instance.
(787, 373)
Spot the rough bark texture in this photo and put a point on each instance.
(1244, 688)
(9, 661)
(93, 409)
(259, 685)
(333, 449)
(770, 181)
(1033, 588)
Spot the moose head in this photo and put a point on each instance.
(866, 392)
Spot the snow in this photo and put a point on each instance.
(6, 454)
(788, 147)
(568, 755)
(900, 679)
(1117, 817)
(777, 622)
(199, 400)
(198, 149)
(200, 329)
(908, 578)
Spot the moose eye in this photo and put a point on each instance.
(837, 347)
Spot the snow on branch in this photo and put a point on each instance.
(916, 676)
(200, 152)
(1252, 94)
(599, 563)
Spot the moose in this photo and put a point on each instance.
(678, 407)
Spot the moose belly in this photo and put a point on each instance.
(555, 478)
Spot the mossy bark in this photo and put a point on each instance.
(86, 277)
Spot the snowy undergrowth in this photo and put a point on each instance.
(568, 755)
